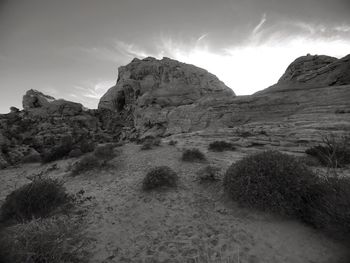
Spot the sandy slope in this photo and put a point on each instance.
(192, 223)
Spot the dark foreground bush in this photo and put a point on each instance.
(192, 155)
(159, 176)
(334, 152)
(220, 146)
(328, 206)
(43, 241)
(270, 181)
(36, 199)
(86, 163)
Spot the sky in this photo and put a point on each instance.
(72, 49)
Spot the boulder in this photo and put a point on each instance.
(35, 99)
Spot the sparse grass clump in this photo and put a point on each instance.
(208, 174)
(270, 181)
(86, 163)
(41, 241)
(220, 146)
(36, 199)
(193, 155)
(159, 176)
(333, 152)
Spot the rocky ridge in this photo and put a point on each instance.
(168, 98)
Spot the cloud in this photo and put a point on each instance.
(261, 23)
(89, 93)
(202, 37)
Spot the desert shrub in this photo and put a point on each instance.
(159, 176)
(172, 142)
(41, 241)
(86, 163)
(55, 153)
(220, 146)
(270, 181)
(328, 206)
(333, 152)
(86, 146)
(32, 158)
(75, 153)
(105, 152)
(36, 199)
(146, 145)
(208, 174)
(192, 155)
(149, 142)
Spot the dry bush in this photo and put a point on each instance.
(193, 155)
(270, 181)
(150, 142)
(220, 146)
(50, 240)
(86, 163)
(159, 176)
(36, 199)
(333, 152)
(208, 174)
(32, 158)
(172, 142)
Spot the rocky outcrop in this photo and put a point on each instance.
(151, 90)
(38, 103)
(168, 98)
(35, 99)
(166, 82)
(165, 97)
(310, 72)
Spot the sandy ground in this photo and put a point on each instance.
(191, 223)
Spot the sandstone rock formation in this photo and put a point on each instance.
(39, 103)
(153, 90)
(314, 72)
(169, 98)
